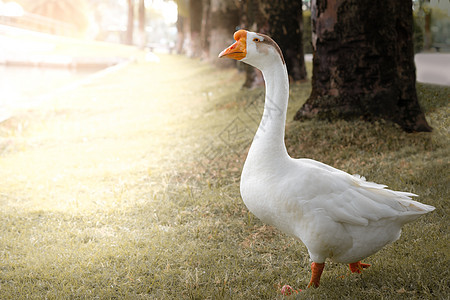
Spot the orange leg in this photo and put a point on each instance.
(357, 267)
(316, 272)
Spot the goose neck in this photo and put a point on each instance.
(270, 134)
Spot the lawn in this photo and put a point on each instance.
(127, 187)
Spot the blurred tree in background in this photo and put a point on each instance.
(182, 24)
(195, 13)
(285, 25)
(141, 23)
(130, 22)
(223, 21)
(283, 21)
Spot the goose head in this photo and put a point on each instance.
(255, 49)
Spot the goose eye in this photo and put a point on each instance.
(256, 40)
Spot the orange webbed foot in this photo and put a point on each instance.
(316, 272)
(358, 267)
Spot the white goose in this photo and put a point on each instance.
(336, 215)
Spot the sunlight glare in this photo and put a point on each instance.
(168, 9)
(11, 9)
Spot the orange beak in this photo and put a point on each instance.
(239, 49)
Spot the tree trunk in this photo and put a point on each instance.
(283, 21)
(182, 24)
(363, 63)
(428, 35)
(285, 26)
(224, 17)
(205, 29)
(180, 34)
(252, 18)
(130, 23)
(142, 36)
(195, 17)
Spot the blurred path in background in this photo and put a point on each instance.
(433, 68)
(34, 65)
(25, 47)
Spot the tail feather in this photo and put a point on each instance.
(402, 200)
(417, 207)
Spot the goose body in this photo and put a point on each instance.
(336, 215)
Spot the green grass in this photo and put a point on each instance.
(127, 187)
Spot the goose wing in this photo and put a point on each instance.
(351, 199)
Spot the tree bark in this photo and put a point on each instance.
(285, 26)
(205, 29)
(195, 17)
(130, 23)
(224, 18)
(182, 25)
(283, 21)
(428, 35)
(363, 63)
(252, 18)
(141, 17)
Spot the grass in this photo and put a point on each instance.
(127, 187)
